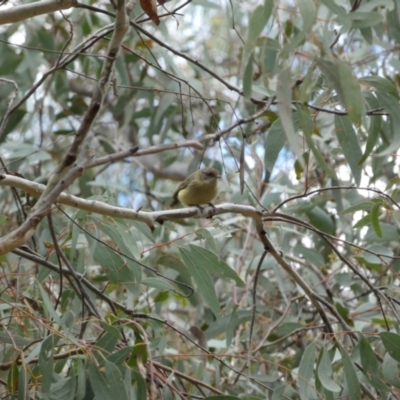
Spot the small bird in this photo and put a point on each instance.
(198, 188)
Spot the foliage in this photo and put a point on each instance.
(290, 290)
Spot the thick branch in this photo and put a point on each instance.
(24, 232)
(150, 218)
(26, 11)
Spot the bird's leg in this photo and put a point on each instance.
(213, 207)
(199, 207)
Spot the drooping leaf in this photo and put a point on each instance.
(370, 365)
(351, 92)
(350, 376)
(375, 219)
(391, 341)
(390, 370)
(349, 144)
(214, 265)
(306, 369)
(325, 373)
(202, 279)
(284, 98)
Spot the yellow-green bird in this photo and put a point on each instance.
(198, 188)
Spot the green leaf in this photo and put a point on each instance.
(332, 6)
(367, 35)
(350, 376)
(325, 373)
(23, 389)
(363, 206)
(269, 56)
(374, 126)
(110, 261)
(107, 342)
(276, 395)
(13, 122)
(258, 20)
(344, 313)
(382, 84)
(364, 19)
(391, 104)
(126, 244)
(12, 378)
(390, 370)
(321, 220)
(286, 328)
(230, 329)
(112, 330)
(14, 340)
(99, 382)
(274, 143)
(308, 13)
(251, 398)
(306, 369)
(342, 79)
(307, 127)
(215, 265)
(248, 78)
(158, 283)
(118, 357)
(389, 233)
(331, 73)
(48, 306)
(284, 98)
(202, 279)
(370, 365)
(141, 392)
(122, 237)
(115, 382)
(208, 237)
(46, 361)
(364, 221)
(351, 92)
(311, 255)
(391, 342)
(349, 143)
(375, 219)
(393, 23)
(81, 380)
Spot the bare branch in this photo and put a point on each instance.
(30, 10)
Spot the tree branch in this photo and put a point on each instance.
(26, 11)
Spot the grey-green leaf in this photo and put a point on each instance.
(325, 373)
(349, 144)
(350, 376)
(306, 369)
(202, 279)
(391, 341)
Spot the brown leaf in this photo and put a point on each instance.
(150, 8)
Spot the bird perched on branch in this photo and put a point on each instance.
(200, 187)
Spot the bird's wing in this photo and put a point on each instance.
(175, 199)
